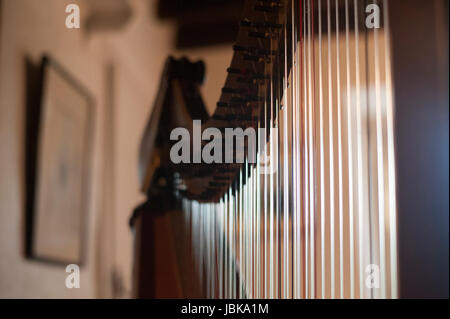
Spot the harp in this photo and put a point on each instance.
(307, 205)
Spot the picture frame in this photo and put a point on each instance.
(58, 165)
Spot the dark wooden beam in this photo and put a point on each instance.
(420, 70)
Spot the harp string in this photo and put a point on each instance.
(322, 160)
(331, 155)
(380, 166)
(285, 188)
(359, 153)
(293, 120)
(391, 155)
(340, 164)
(305, 143)
(350, 152)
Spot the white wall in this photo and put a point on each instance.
(29, 29)
(137, 52)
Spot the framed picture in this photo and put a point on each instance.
(59, 176)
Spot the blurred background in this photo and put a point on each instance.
(117, 54)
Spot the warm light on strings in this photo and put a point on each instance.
(316, 223)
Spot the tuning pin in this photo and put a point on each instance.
(248, 98)
(268, 6)
(228, 90)
(239, 48)
(225, 117)
(254, 54)
(238, 99)
(231, 105)
(248, 76)
(256, 58)
(249, 80)
(234, 71)
(253, 50)
(262, 35)
(264, 25)
(248, 118)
